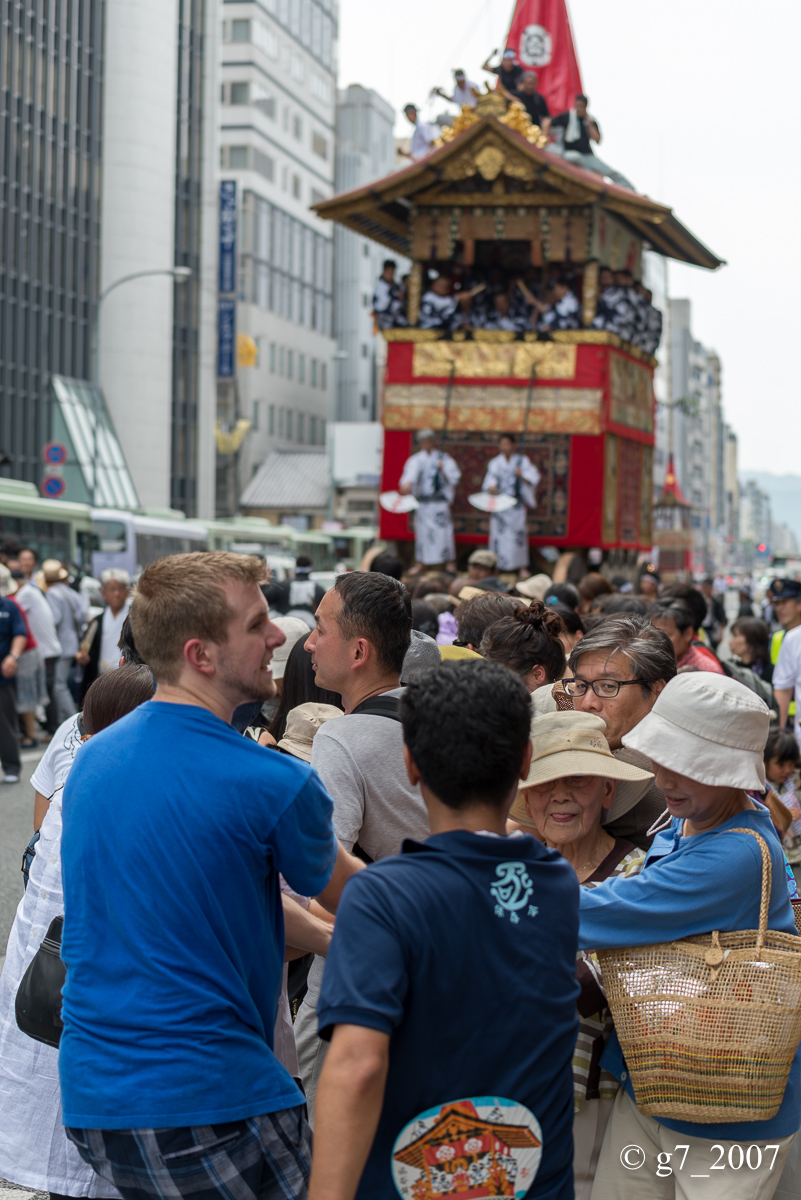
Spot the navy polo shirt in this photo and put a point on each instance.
(463, 950)
(11, 626)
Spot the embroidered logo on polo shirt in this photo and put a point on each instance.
(511, 890)
(478, 1147)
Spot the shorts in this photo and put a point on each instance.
(267, 1157)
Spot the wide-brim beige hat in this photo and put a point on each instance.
(707, 727)
(8, 585)
(535, 587)
(302, 724)
(574, 743)
(53, 571)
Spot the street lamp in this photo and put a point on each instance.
(180, 275)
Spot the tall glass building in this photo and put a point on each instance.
(51, 80)
(107, 169)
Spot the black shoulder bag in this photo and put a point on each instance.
(38, 1003)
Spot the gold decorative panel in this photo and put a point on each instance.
(631, 399)
(483, 360)
(609, 517)
(487, 409)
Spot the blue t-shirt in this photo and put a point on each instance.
(11, 626)
(175, 831)
(463, 950)
(689, 886)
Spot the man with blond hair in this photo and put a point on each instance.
(176, 831)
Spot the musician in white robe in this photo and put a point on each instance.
(431, 477)
(511, 473)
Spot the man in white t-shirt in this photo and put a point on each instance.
(465, 92)
(102, 653)
(787, 678)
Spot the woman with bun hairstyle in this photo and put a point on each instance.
(528, 643)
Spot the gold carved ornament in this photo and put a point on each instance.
(414, 293)
(517, 118)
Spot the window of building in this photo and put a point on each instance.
(238, 158)
(312, 431)
(284, 178)
(317, 196)
(255, 420)
(322, 431)
(286, 118)
(289, 431)
(301, 427)
(364, 399)
(297, 128)
(319, 145)
(240, 31)
(280, 422)
(301, 368)
(296, 186)
(271, 420)
(286, 266)
(320, 88)
(290, 363)
(365, 350)
(365, 300)
(365, 250)
(281, 360)
(298, 67)
(265, 39)
(264, 164)
(272, 358)
(240, 93)
(263, 100)
(324, 375)
(314, 372)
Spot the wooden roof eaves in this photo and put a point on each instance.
(649, 219)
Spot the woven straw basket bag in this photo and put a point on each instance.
(709, 1025)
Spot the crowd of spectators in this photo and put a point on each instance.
(496, 750)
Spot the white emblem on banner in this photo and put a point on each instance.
(535, 46)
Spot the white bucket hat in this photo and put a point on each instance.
(293, 629)
(707, 727)
(574, 743)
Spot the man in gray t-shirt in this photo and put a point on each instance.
(362, 635)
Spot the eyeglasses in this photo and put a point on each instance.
(605, 689)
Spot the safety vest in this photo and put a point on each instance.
(775, 646)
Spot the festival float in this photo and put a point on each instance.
(491, 196)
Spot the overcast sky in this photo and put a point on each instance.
(696, 101)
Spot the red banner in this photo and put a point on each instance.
(541, 37)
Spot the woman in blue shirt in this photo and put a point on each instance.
(704, 736)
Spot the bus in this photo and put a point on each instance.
(52, 528)
(129, 541)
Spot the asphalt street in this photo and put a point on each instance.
(16, 828)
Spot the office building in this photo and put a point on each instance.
(110, 166)
(365, 151)
(159, 210)
(277, 144)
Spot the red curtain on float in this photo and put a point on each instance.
(541, 37)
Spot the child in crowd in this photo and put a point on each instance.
(782, 759)
(449, 991)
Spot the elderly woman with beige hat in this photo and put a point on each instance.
(573, 785)
(704, 735)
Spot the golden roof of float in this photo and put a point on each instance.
(494, 157)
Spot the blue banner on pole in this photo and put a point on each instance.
(227, 236)
(226, 337)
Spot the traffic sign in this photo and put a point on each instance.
(52, 487)
(54, 453)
